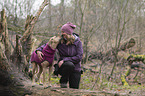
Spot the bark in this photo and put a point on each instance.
(112, 54)
(3, 59)
(123, 47)
(18, 58)
(5, 52)
(115, 51)
(127, 45)
(109, 55)
(5, 34)
(85, 48)
(28, 21)
(62, 11)
(26, 40)
(50, 18)
(22, 51)
(13, 81)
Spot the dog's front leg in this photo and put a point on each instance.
(50, 70)
(38, 75)
(44, 65)
(44, 72)
(33, 72)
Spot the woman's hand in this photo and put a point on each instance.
(40, 54)
(60, 63)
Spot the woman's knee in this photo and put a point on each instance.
(69, 65)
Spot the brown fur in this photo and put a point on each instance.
(70, 39)
(53, 43)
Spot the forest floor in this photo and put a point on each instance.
(89, 86)
(39, 90)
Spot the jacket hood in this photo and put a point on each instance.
(76, 37)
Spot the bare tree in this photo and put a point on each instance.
(62, 11)
(5, 34)
(49, 18)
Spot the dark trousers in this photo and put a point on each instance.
(68, 74)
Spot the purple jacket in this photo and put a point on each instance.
(48, 55)
(73, 52)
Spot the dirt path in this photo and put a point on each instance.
(39, 90)
(26, 89)
(22, 86)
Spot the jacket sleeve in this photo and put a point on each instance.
(78, 57)
(40, 48)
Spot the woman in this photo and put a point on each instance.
(70, 57)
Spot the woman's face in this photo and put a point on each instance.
(63, 34)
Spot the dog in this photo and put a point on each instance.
(47, 61)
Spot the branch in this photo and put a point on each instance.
(33, 21)
(5, 34)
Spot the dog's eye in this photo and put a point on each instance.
(55, 41)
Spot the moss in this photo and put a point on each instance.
(128, 71)
(138, 56)
(55, 80)
(124, 81)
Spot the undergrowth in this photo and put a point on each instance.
(89, 81)
(96, 81)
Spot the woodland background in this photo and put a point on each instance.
(104, 26)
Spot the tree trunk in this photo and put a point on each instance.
(26, 40)
(50, 18)
(3, 59)
(13, 81)
(62, 11)
(18, 58)
(5, 35)
(108, 55)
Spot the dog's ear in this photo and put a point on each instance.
(59, 37)
(53, 37)
(50, 40)
(70, 39)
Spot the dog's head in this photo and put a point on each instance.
(70, 39)
(53, 42)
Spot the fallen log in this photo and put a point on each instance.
(109, 55)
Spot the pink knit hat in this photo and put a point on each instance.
(68, 28)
